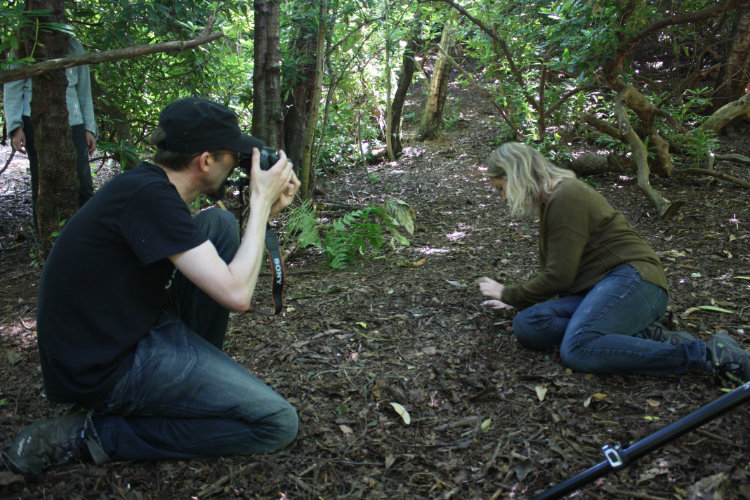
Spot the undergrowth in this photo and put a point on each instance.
(359, 233)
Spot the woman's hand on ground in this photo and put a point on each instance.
(497, 304)
(494, 290)
(490, 288)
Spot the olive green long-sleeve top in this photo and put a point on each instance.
(581, 240)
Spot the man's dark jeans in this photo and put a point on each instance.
(184, 397)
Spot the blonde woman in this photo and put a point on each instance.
(600, 290)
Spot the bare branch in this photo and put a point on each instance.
(727, 113)
(205, 36)
(603, 127)
(734, 157)
(10, 158)
(666, 208)
(682, 172)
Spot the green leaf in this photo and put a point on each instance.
(716, 309)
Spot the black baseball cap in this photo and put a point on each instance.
(194, 124)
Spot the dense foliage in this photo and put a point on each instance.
(544, 64)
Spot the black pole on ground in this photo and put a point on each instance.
(617, 458)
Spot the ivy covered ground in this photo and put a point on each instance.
(404, 331)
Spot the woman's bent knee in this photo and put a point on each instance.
(531, 336)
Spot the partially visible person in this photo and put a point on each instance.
(134, 301)
(17, 105)
(600, 291)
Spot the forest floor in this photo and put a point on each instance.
(489, 418)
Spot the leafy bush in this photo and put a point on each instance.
(360, 233)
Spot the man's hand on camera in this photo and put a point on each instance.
(275, 186)
(287, 197)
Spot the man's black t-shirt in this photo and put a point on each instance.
(104, 284)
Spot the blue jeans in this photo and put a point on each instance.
(183, 397)
(596, 331)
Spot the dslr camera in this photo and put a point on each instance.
(268, 158)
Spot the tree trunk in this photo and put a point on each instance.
(734, 76)
(267, 117)
(432, 118)
(58, 179)
(302, 105)
(307, 175)
(399, 98)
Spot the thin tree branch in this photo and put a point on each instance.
(7, 163)
(682, 172)
(205, 36)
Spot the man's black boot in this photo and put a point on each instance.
(46, 443)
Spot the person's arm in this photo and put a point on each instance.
(82, 78)
(232, 285)
(14, 97)
(564, 232)
(87, 105)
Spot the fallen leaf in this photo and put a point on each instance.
(716, 309)
(402, 411)
(691, 310)
(346, 429)
(486, 424)
(594, 397)
(457, 284)
(541, 391)
(406, 263)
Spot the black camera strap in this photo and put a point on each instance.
(276, 264)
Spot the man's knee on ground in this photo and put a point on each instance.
(288, 425)
(277, 430)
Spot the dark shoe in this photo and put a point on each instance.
(728, 359)
(44, 444)
(660, 333)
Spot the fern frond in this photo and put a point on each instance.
(303, 225)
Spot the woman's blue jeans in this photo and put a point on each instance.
(183, 397)
(598, 331)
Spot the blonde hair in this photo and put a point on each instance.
(529, 175)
